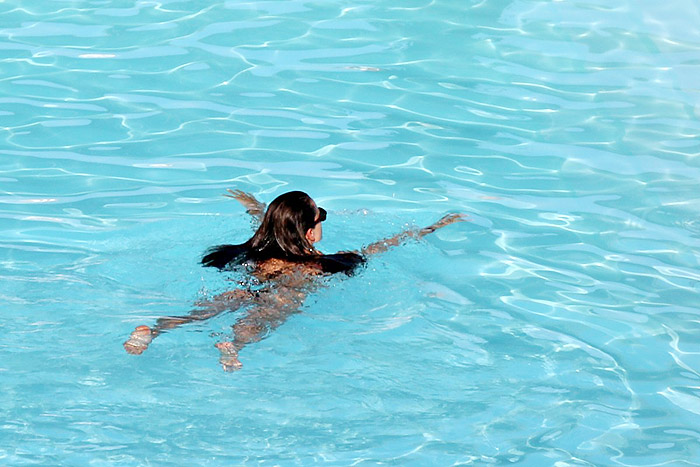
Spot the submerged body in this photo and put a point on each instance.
(282, 258)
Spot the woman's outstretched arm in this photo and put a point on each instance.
(253, 207)
(383, 245)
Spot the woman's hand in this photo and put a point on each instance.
(445, 221)
(253, 207)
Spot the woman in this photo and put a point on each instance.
(282, 257)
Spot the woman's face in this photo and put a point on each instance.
(315, 234)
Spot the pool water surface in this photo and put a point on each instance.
(559, 326)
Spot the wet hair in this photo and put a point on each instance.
(282, 235)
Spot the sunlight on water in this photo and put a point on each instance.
(558, 327)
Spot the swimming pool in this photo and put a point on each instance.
(558, 327)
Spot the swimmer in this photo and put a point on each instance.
(282, 257)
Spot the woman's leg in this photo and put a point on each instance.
(255, 326)
(141, 337)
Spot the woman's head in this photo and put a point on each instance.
(290, 227)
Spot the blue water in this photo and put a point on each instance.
(560, 326)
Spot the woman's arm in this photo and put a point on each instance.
(253, 207)
(383, 245)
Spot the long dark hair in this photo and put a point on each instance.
(282, 234)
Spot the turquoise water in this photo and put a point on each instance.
(559, 327)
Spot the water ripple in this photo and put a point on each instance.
(565, 314)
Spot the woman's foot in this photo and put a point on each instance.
(229, 356)
(138, 340)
